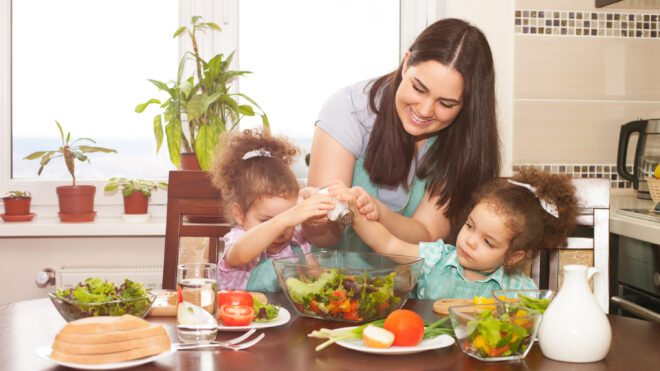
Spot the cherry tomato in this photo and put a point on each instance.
(407, 327)
(238, 297)
(236, 315)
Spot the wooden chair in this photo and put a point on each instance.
(194, 209)
(592, 233)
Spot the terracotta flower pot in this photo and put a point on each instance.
(76, 203)
(17, 205)
(136, 203)
(189, 161)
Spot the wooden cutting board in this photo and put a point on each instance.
(442, 306)
(165, 303)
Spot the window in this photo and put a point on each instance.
(311, 50)
(86, 64)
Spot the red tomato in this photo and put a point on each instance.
(407, 327)
(337, 298)
(496, 352)
(383, 306)
(314, 305)
(236, 315)
(229, 297)
(179, 294)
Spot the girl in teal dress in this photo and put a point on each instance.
(534, 209)
(261, 196)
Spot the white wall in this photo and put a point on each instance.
(495, 19)
(22, 258)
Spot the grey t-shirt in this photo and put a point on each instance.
(346, 117)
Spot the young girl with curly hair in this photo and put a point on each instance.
(510, 218)
(261, 196)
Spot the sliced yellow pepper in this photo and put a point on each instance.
(345, 306)
(520, 321)
(480, 343)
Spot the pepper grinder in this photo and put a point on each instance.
(341, 214)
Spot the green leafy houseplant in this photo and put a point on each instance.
(136, 193)
(133, 185)
(76, 202)
(203, 100)
(18, 194)
(70, 151)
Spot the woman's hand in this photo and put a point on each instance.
(366, 204)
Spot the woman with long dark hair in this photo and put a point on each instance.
(414, 143)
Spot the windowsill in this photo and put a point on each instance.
(113, 226)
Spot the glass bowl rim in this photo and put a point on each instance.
(150, 296)
(287, 260)
(469, 315)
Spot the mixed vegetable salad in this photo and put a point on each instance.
(96, 297)
(499, 336)
(335, 295)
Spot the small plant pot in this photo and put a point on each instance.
(17, 205)
(136, 203)
(189, 161)
(76, 203)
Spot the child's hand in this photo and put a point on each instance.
(365, 203)
(306, 193)
(316, 206)
(343, 193)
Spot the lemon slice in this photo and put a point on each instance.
(188, 314)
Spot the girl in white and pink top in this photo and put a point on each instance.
(261, 196)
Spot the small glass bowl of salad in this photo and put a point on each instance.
(347, 286)
(500, 332)
(538, 300)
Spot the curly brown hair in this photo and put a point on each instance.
(532, 227)
(244, 181)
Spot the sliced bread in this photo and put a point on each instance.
(103, 324)
(94, 359)
(112, 337)
(112, 347)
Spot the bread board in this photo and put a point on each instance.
(441, 306)
(165, 303)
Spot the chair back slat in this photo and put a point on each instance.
(594, 200)
(194, 209)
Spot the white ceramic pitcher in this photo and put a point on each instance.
(574, 327)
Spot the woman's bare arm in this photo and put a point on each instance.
(428, 222)
(329, 161)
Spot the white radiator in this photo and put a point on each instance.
(151, 276)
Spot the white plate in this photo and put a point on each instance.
(435, 343)
(44, 353)
(282, 317)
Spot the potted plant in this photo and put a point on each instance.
(76, 201)
(17, 206)
(136, 193)
(201, 103)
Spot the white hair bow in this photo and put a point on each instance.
(256, 153)
(550, 207)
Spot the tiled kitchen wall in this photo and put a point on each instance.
(580, 73)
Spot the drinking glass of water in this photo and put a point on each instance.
(197, 303)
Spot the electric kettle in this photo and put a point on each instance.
(647, 153)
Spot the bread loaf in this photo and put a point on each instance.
(99, 340)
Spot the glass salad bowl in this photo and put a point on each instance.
(347, 286)
(72, 310)
(537, 300)
(495, 332)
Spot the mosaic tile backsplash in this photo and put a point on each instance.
(583, 171)
(586, 24)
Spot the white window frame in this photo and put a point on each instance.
(415, 16)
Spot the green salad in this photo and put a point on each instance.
(264, 312)
(539, 305)
(96, 297)
(335, 295)
(501, 336)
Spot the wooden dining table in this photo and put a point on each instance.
(30, 324)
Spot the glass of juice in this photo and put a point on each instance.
(197, 303)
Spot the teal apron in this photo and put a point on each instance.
(350, 240)
(442, 283)
(263, 277)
